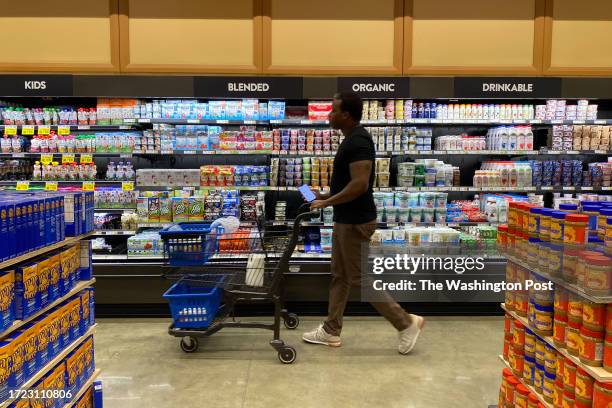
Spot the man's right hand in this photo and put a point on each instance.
(319, 195)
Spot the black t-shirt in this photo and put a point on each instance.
(355, 147)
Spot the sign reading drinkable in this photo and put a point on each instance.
(376, 87)
(36, 85)
(248, 87)
(499, 87)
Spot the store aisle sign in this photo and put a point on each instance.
(248, 87)
(499, 87)
(36, 85)
(376, 87)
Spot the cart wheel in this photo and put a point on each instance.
(189, 344)
(292, 321)
(287, 355)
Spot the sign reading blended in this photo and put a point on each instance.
(248, 87)
(499, 87)
(376, 87)
(36, 85)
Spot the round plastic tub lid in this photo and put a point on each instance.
(558, 214)
(576, 218)
(535, 210)
(568, 207)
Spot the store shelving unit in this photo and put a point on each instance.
(560, 282)
(43, 250)
(529, 387)
(20, 323)
(51, 364)
(598, 373)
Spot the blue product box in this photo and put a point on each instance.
(49, 222)
(44, 280)
(54, 276)
(92, 307)
(7, 299)
(62, 218)
(53, 321)
(19, 224)
(12, 242)
(4, 249)
(26, 290)
(28, 337)
(85, 268)
(42, 217)
(89, 352)
(7, 379)
(85, 311)
(42, 329)
(17, 360)
(97, 394)
(65, 338)
(74, 307)
(72, 375)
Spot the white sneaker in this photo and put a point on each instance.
(320, 336)
(408, 337)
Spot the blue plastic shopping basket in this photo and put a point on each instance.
(194, 302)
(188, 243)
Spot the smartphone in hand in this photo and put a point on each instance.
(307, 193)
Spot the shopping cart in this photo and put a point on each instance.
(216, 271)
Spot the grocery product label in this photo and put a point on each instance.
(68, 158)
(127, 186)
(89, 186)
(46, 158)
(248, 87)
(22, 186)
(44, 130)
(86, 158)
(10, 130)
(63, 130)
(51, 185)
(499, 87)
(27, 130)
(376, 87)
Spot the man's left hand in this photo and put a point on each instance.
(318, 204)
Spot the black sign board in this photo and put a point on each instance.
(36, 85)
(248, 87)
(376, 87)
(499, 87)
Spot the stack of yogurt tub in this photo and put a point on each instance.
(418, 240)
(425, 173)
(414, 207)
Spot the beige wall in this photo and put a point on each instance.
(332, 35)
(579, 37)
(41, 35)
(190, 35)
(472, 35)
(450, 37)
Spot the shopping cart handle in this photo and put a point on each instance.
(306, 215)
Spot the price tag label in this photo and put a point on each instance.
(305, 122)
(88, 186)
(44, 130)
(68, 158)
(222, 122)
(22, 186)
(46, 158)
(127, 186)
(579, 122)
(87, 127)
(10, 130)
(51, 185)
(587, 188)
(600, 121)
(86, 159)
(189, 152)
(547, 188)
(27, 130)
(556, 122)
(141, 121)
(63, 130)
(535, 121)
(195, 121)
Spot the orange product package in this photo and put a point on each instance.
(74, 308)
(65, 324)
(54, 276)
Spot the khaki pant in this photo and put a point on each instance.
(348, 243)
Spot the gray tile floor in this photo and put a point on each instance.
(455, 364)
